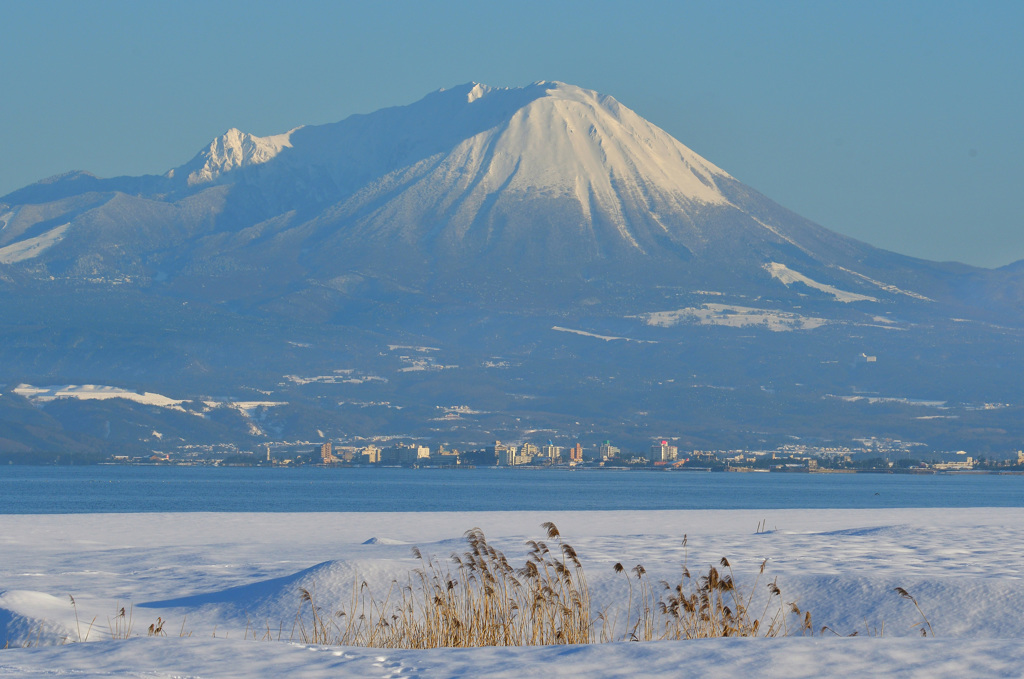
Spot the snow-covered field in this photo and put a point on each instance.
(221, 579)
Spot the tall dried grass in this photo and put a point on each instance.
(478, 600)
(925, 625)
(481, 599)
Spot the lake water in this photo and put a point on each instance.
(71, 490)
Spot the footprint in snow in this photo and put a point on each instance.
(393, 668)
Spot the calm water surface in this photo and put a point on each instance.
(60, 490)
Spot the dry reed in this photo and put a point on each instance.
(121, 626)
(482, 600)
(924, 619)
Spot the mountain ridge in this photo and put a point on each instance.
(540, 229)
(379, 177)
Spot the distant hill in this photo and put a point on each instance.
(542, 256)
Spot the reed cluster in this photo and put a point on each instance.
(711, 605)
(481, 599)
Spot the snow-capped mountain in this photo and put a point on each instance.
(545, 178)
(493, 221)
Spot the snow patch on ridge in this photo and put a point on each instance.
(344, 376)
(775, 231)
(787, 276)
(734, 317)
(32, 247)
(887, 287)
(477, 92)
(84, 392)
(925, 403)
(606, 338)
(253, 411)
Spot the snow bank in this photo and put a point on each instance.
(230, 574)
(711, 659)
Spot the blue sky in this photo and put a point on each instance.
(900, 124)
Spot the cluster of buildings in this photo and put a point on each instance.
(661, 453)
(872, 455)
(398, 455)
(498, 454)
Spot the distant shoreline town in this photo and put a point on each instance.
(874, 456)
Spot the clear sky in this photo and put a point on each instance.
(897, 123)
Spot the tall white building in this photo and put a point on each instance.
(553, 452)
(663, 452)
(526, 453)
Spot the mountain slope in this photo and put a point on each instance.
(538, 241)
(549, 180)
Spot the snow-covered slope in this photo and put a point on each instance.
(477, 219)
(32, 247)
(550, 183)
(576, 143)
(461, 163)
(572, 169)
(787, 276)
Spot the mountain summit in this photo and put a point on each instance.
(568, 172)
(232, 150)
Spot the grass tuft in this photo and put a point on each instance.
(479, 599)
(926, 627)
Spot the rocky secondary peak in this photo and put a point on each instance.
(232, 150)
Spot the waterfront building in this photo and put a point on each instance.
(552, 452)
(663, 452)
(446, 456)
(525, 455)
(508, 457)
(401, 454)
(370, 455)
